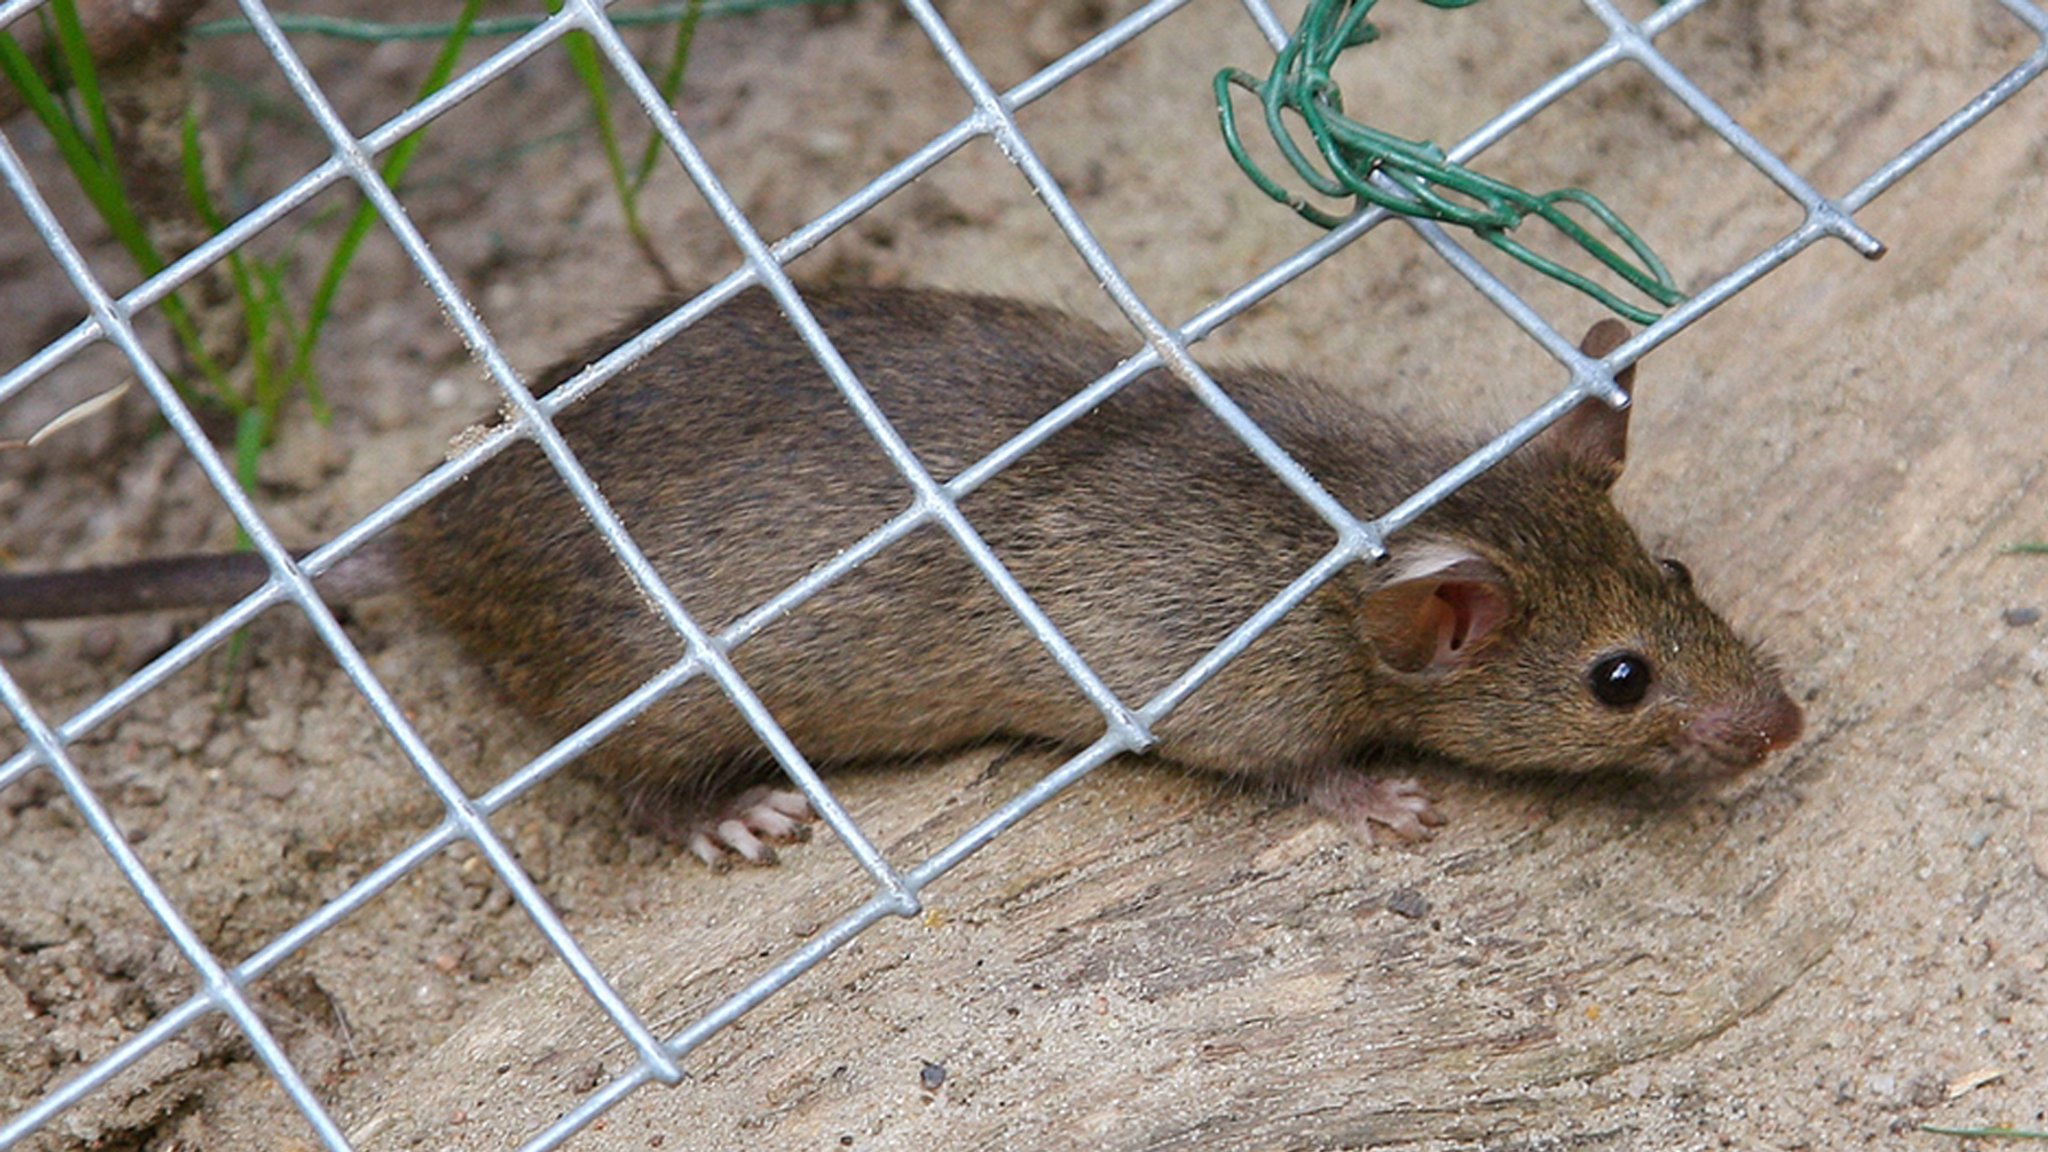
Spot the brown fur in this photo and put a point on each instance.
(1146, 532)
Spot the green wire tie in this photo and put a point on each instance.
(1419, 173)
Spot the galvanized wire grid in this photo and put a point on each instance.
(1127, 727)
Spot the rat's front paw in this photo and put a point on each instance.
(745, 827)
(1369, 806)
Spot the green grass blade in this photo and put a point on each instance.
(583, 60)
(670, 86)
(191, 162)
(352, 237)
(85, 78)
(102, 188)
(79, 155)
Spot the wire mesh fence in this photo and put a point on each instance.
(897, 886)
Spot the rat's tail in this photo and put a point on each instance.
(210, 580)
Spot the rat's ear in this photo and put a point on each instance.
(1436, 607)
(1594, 433)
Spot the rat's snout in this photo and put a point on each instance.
(1741, 734)
(1782, 724)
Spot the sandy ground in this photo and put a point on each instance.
(1844, 947)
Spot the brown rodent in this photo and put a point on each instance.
(1517, 626)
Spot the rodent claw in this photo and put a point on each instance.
(1367, 806)
(744, 828)
(704, 848)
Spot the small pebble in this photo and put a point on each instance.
(1407, 902)
(2021, 617)
(933, 1076)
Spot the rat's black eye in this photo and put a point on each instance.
(1621, 680)
(1675, 572)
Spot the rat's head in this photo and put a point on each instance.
(1527, 628)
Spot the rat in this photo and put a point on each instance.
(1517, 626)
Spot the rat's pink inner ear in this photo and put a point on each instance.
(1438, 610)
(1468, 614)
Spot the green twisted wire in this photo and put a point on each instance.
(1414, 177)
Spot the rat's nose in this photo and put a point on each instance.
(1741, 734)
(1781, 724)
